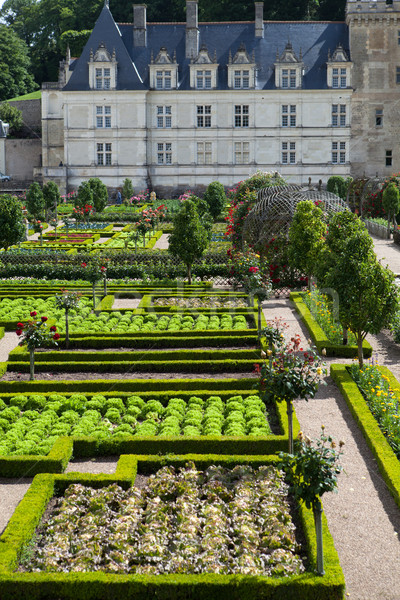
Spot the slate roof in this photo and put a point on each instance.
(315, 39)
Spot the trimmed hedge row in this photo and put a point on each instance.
(104, 586)
(388, 463)
(318, 335)
(197, 339)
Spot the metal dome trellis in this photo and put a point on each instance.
(271, 216)
(361, 189)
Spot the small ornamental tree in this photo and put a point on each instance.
(306, 237)
(127, 190)
(36, 334)
(84, 196)
(290, 373)
(216, 198)
(391, 204)
(94, 271)
(310, 472)
(100, 194)
(368, 295)
(35, 201)
(188, 239)
(51, 196)
(12, 228)
(67, 300)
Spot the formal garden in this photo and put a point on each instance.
(151, 335)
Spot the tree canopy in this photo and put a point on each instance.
(15, 76)
(12, 229)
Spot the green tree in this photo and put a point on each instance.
(368, 295)
(12, 228)
(127, 189)
(84, 196)
(35, 201)
(12, 115)
(306, 237)
(100, 194)
(188, 239)
(74, 40)
(338, 185)
(15, 69)
(216, 198)
(391, 204)
(205, 217)
(51, 196)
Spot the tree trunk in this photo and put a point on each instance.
(345, 336)
(290, 425)
(317, 510)
(360, 350)
(388, 228)
(31, 365)
(105, 285)
(66, 329)
(41, 237)
(189, 274)
(259, 315)
(94, 295)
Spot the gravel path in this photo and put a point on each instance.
(162, 243)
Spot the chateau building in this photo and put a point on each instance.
(178, 105)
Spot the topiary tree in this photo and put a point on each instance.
(338, 185)
(216, 198)
(127, 189)
(391, 204)
(84, 196)
(100, 194)
(306, 237)
(35, 201)
(368, 295)
(51, 196)
(189, 238)
(12, 228)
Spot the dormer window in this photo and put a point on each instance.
(203, 70)
(288, 69)
(163, 71)
(339, 69)
(102, 69)
(241, 70)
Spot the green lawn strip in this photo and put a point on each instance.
(318, 336)
(104, 586)
(388, 463)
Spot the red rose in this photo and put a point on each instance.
(33, 313)
(19, 332)
(53, 328)
(20, 325)
(56, 336)
(43, 319)
(83, 265)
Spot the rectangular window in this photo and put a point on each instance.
(241, 80)
(164, 154)
(397, 75)
(338, 115)
(343, 78)
(104, 154)
(342, 153)
(285, 78)
(334, 152)
(164, 119)
(288, 154)
(292, 78)
(335, 78)
(241, 115)
(103, 116)
(388, 158)
(204, 115)
(288, 115)
(163, 80)
(379, 117)
(338, 152)
(242, 153)
(203, 80)
(204, 153)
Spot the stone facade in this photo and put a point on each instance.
(175, 106)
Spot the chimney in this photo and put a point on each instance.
(259, 23)
(139, 26)
(192, 29)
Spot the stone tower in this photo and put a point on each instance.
(374, 31)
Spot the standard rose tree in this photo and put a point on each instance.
(35, 333)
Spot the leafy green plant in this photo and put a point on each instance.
(35, 202)
(391, 204)
(312, 471)
(12, 229)
(216, 198)
(35, 334)
(306, 237)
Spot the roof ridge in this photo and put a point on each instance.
(230, 22)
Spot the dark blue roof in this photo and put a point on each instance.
(315, 40)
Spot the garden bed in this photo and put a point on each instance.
(319, 337)
(184, 583)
